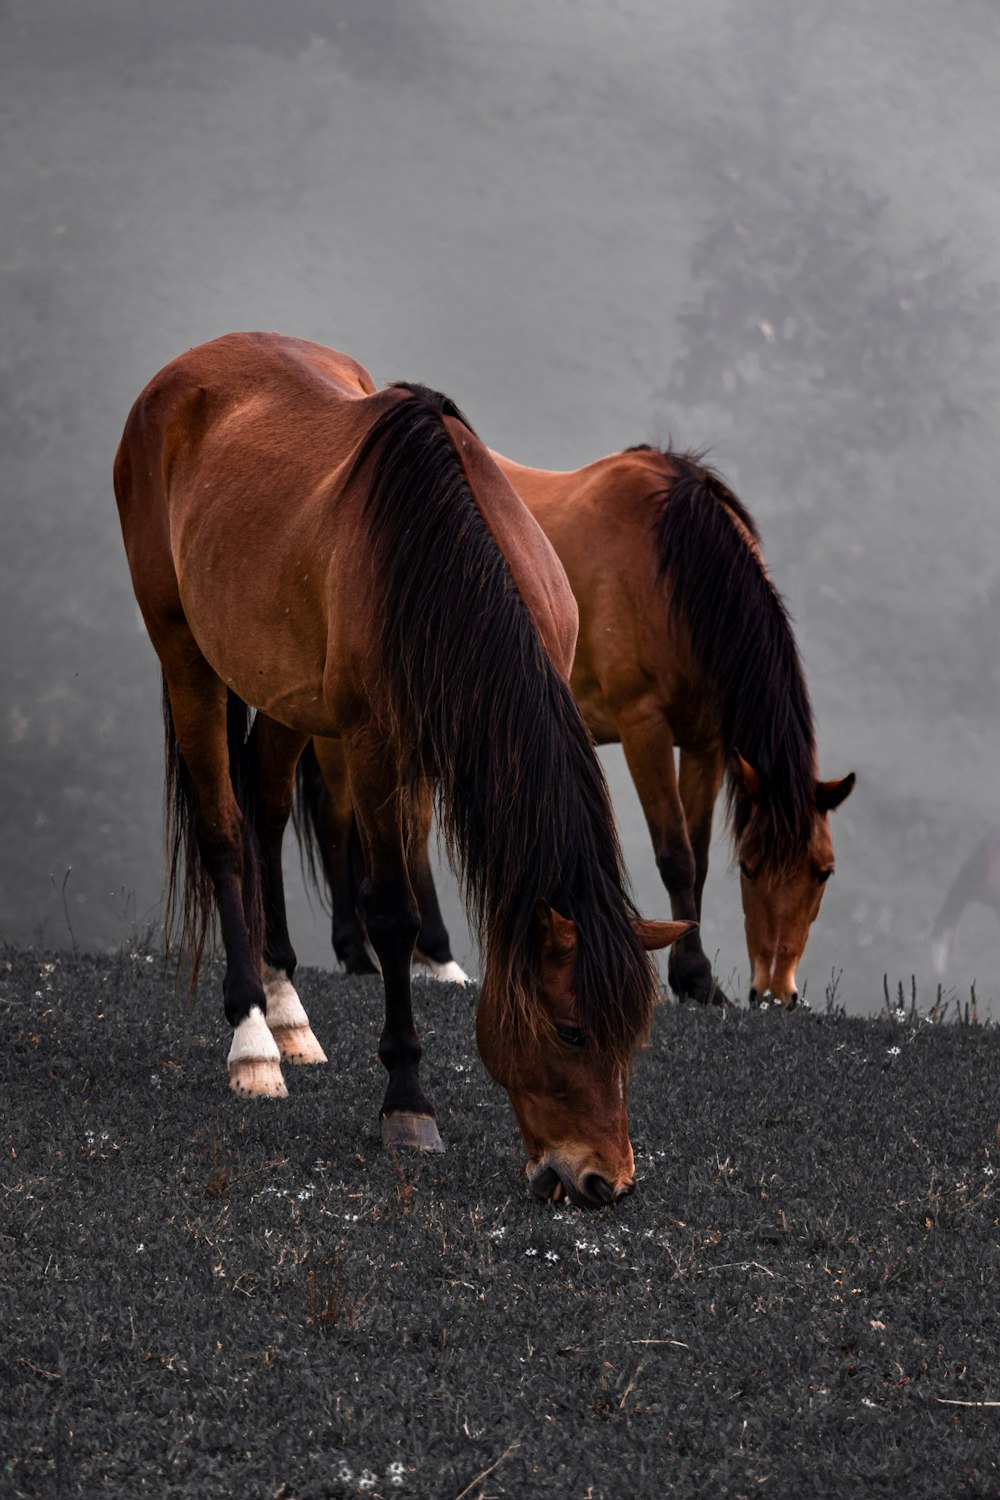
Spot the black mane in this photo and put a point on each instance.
(477, 707)
(740, 633)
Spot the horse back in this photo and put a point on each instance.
(599, 519)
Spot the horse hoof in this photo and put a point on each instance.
(257, 1078)
(404, 1131)
(298, 1044)
(448, 973)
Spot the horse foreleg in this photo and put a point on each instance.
(649, 751)
(700, 779)
(433, 948)
(392, 918)
(198, 713)
(276, 753)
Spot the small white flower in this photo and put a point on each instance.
(531, 1250)
(395, 1472)
(367, 1480)
(140, 1247)
(345, 1473)
(988, 1171)
(551, 1255)
(893, 1052)
(498, 1234)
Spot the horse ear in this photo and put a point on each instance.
(830, 794)
(654, 935)
(746, 777)
(558, 933)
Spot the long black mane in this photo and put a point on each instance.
(476, 706)
(741, 636)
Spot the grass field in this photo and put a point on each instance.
(203, 1297)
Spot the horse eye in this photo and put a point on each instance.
(745, 871)
(570, 1035)
(824, 876)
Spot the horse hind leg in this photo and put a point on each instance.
(433, 949)
(198, 747)
(392, 919)
(275, 753)
(327, 805)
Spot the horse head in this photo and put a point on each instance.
(568, 1090)
(781, 898)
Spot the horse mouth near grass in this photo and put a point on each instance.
(549, 1181)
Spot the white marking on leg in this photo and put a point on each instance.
(284, 1008)
(254, 1060)
(252, 1041)
(448, 973)
(287, 1019)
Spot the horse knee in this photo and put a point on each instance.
(677, 869)
(392, 919)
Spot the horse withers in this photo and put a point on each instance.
(352, 564)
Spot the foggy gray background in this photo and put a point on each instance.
(769, 229)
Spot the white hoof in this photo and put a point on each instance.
(449, 973)
(254, 1060)
(287, 1020)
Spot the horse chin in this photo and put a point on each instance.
(545, 1182)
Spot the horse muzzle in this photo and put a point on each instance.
(550, 1180)
(768, 997)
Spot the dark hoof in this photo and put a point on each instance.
(403, 1131)
(704, 992)
(359, 963)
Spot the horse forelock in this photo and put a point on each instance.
(478, 708)
(740, 633)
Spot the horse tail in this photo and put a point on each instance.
(189, 911)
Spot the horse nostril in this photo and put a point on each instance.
(623, 1192)
(793, 999)
(598, 1188)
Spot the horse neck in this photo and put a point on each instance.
(740, 641)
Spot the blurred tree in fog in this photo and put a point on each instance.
(811, 318)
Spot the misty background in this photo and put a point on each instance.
(768, 229)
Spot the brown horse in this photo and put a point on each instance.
(353, 565)
(684, 644)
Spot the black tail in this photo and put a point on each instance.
(189, 911)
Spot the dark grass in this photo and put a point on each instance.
(204, 1297)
